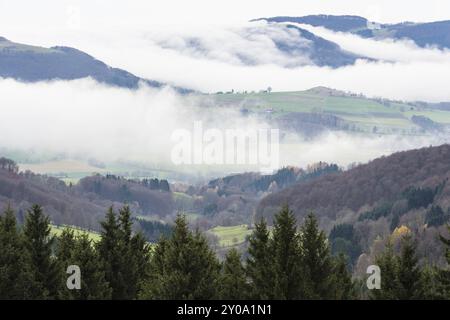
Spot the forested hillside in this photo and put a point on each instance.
(365, 206)
(385, 179)
(360, 208)
(81, 204)
(32, 63)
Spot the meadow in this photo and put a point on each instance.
(231, 236)
(58, 230)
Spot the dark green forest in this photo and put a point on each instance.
(285, 262)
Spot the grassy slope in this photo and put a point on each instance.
(231, 236)
(362, 112)
(94, 236)
(57, 231)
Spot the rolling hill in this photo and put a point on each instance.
(32, 63)
(317, 109)
(324, 52)
(85, 203)
(321, 52)
(359, 190)
(364, 207)
(436, 33)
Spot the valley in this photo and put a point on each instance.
(289, 156)
(364, 198)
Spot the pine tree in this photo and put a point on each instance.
(342, 284)
(315, 260)
(39, 243)
(388, 264)
(16, 277)
(93, 279)
(135, 253)
(284, 247)
(65, 245)
(444, 274)
(409, 274)
(128, 265)
(432, 284)
(260, 269)
(233, 281)
(187, 268)
(174, 282)
(206, 269)
(110, 249)
(141, 250)
(153, 287)
(401, 277)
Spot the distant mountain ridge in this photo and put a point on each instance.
(424, 34)
(336, 23)
(323, 52)
(32, 63)
(297, 47)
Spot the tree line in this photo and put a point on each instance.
(9, 165)
(284, 262)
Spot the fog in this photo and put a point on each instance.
(239, 55)
(404, 71)
(86, 120)
(109, 13)
(244, 57)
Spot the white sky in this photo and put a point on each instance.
(112, 13)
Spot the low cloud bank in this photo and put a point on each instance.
(85, 119)
(244, 57)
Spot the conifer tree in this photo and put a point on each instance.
(128, 257)
(205, 269)
(135, 254)
(444, 273)
(233, 280)
(409, 274)
(141, 250)
(342, 285)
(93, 280)
(187, 268)
(388, 264)
(431, 283)
(16, 277)
(260, 268)
(401, 277)
(284, 247)
(65, 245)
(155, 272)
(39, 243)
(110, 249)
(315, 260)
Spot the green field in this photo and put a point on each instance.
(57, 231)
(306, 101)
(183, 201)
(357, 114)
(92, 235)
(231, 236)
(360, 112)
